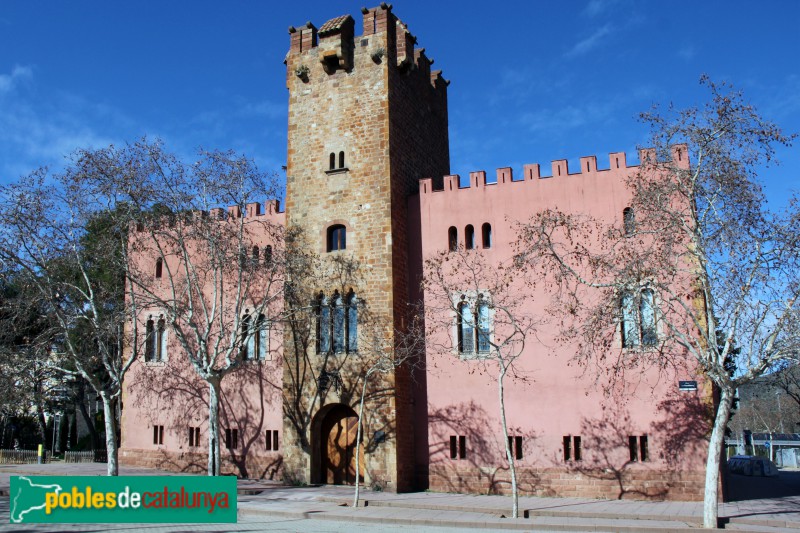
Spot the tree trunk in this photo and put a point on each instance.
(213, 427)
(358, 440)
(711, 496)
(510, 456)
(111, 435)
(41, 422)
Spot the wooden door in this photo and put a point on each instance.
(341, 452)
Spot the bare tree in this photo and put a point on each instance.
(79, 277)
(210, 278)
(696, 252)
(473, 312)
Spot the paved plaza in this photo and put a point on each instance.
(762, 504)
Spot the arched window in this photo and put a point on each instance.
(638, 318)
(466, 327)
(647, 311)
(628, 221)
(323, 325)
(352, 322)
(149, 340)
(452, 238)
(159, 267)
(332, 161)
(486, 232)
(337, 238)
(247, 338)
(469, 237)
(161, 340)
(341, 159)
(338, 323)
(261, 338)
(268, 255)
(483, 325)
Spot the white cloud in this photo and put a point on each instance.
(18, 73)
(590, 42)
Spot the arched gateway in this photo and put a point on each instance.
(334, 441)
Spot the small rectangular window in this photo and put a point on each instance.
(644, 453)
(462, 447)
(194, 436)
(572, 448)
(231, 439)
(633, 448)
(272, 440)
(453, 447)
(515, 445)
(158, 435)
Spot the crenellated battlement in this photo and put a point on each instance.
(559, 168)
(386, 40)
(270, 209)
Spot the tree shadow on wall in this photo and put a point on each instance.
(159, 389)
(244, 411)
(485, 468)
(608, 458)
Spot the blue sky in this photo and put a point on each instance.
(531, 81)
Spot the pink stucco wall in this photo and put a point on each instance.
(555, 396)
(171, 394)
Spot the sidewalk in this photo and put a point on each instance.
(267, 498)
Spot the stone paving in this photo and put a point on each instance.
(262, 498)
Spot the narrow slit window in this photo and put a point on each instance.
(644, 453)
(256, 254)
(261, 338)
(159, 267)
(567, 448)
(332, 165)
(462, 447)
(268, 255)
(453, 447)
(518, 447)
(341, 159)
(576, 442)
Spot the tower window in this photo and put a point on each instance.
(332, 165)
(323, 324)
(469, 237)
(341, 159)
(337, 238)
(159, 267)
(486, 231)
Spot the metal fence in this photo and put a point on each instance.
(21, 457)
(88, 456)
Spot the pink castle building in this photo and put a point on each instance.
(368, 180)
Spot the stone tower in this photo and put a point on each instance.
(367, 120)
